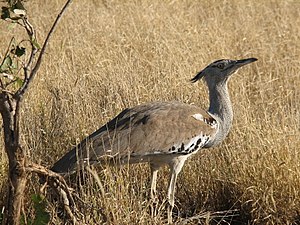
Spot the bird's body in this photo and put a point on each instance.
(161, 132)
(153, 132)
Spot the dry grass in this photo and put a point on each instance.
(108, 55)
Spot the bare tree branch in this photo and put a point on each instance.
(58, 183)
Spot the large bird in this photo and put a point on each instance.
(161, 133)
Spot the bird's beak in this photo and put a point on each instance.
(243, 62)
(234, 67)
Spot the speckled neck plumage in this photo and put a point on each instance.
(221, 109)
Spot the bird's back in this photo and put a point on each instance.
(138, 134)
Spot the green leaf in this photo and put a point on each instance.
(34, 42)
(36, 199)
(19, 82)
(42, 217)
(19, 51)
(7, 63)
(22, 220)
(5, 13)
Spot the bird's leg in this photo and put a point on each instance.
(175, 167)
(154, 170)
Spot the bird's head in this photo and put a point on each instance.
(219, 71)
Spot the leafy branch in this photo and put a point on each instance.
(18, 69)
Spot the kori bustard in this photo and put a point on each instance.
(161, 132)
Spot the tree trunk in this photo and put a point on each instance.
(17, 184)
(16, 158)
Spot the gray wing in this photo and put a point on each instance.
(145, 130)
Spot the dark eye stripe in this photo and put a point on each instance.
(220, 60)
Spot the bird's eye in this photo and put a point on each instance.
(221, 66)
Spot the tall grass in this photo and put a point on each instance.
(108, 55)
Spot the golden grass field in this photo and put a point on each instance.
(109, 55)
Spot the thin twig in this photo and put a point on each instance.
(19, 94)
(34, 49)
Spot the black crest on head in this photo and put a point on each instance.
(197, 77)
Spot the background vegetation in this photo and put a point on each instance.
(108, 55)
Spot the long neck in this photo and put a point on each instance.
(220, 107)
